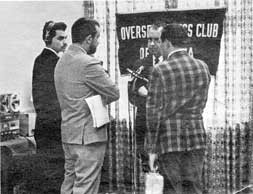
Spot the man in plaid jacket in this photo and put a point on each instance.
(177, 95)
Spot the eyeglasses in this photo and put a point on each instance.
(154, 40)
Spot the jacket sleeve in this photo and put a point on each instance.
(97, 79)
(154, 108)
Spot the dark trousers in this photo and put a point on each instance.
(140, 131)
(182, 171)
(40, 173)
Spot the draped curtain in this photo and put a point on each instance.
(228, 115)
(229, 111)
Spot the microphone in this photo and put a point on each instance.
(139, 70)
(136, 73)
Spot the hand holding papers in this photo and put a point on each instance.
(152, 158)
(98, 111)
(154, 182)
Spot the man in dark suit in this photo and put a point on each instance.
(48, 120)
(79, 75)
(138, 87)
(49, 169)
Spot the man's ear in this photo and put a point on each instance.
(88, 39)
(167, 43)
(170, 44)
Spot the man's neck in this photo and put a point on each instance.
(173, 50)
(81, 47)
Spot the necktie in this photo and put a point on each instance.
(156, 60)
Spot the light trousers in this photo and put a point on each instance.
(83, 165)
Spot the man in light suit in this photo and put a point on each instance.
(79, 75)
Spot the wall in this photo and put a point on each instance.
(21, 34)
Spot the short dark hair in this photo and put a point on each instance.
(158, 24)
(82, 28)
(175, 33)
(155, 27)
(49, 30)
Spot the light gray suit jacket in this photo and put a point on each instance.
(78, 76)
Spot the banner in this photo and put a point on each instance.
(204, 28)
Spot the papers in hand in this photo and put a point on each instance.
(154, 183)
(98, 110)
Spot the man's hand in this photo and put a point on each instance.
(142, 91)
(152, 158)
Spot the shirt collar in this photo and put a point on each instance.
(175, 51)
(52, 51)
(160, 59)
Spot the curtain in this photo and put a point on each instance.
(228, 115)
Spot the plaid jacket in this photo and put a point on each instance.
(178, 91)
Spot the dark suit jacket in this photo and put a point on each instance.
(147, 65)
(45, 101)
(140, 101)
(78, 76)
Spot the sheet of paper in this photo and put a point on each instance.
(98, 110)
